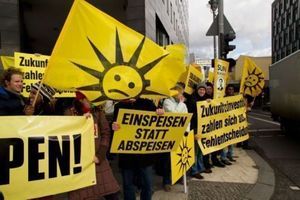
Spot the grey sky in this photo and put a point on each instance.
(251, 20)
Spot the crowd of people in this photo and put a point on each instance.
(136, 169)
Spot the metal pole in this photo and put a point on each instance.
(215, 41)
(221, 27)
(185, 183)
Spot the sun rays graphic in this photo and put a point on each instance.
(119, 80)
(254, 81)
(184, 156)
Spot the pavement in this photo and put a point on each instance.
(249, 178)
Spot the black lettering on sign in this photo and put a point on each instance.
(30, 62)
(60, 156)
(22, 61)
(17, 157)
(77, 153)
(33, 158)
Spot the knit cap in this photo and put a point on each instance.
(45, 90)
(201, 85)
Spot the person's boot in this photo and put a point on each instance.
(218, 163)
(198, 176)
(167, 188)
(226, 162)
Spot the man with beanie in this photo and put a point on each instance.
(214, 155)
(199, 95)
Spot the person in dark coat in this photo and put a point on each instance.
(214, 155)
(107, 186)
(135, 165)
(11, 100)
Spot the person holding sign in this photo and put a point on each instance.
(214, 155)
(198, 95)
(136, 165)
(11, 100)
(107, 185)
(229, 154)
(176, 105)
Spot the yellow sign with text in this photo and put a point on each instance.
(42, 156)
(192, 77)
(220, 78)
(33, 66)
(183, 158)
(144, 132)
(221, 122)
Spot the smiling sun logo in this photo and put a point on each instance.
(254, 81)
(120, 80)
(184, 157)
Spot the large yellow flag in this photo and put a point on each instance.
(252, 81)
(104, 59)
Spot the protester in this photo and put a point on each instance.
(136, 165)
(176, 105)
(225, 156)
(41, 104)
(11, 100)
(214, 155)
(198, 95)
(107, 186)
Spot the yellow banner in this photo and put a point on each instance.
(105, 59)
(7, 61)
(145, 132)
(183, 158)
(220, 78)
(192, 77)
(253, 81)
(41, 156)
(221, 122)
(33, 66)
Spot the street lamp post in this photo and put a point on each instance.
(214, 6)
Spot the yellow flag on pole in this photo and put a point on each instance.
(183, 157)
(105, 59)
(252, 81)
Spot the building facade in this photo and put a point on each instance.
(32, 26)
(285, 28)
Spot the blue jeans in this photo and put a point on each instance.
(145, 176)
(198, 166)
(229, 153)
